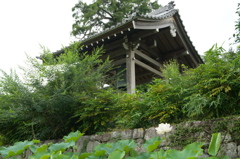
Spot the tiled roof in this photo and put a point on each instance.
(161, 13)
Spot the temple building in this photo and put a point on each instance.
(141, 44)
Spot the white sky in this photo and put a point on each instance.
(24, 24)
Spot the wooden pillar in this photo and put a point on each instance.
(130, 70)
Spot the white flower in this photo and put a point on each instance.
(163, 128)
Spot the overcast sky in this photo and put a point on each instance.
(27, 24)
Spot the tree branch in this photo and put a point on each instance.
(108, 13)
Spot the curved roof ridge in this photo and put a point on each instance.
(160, 10)
(161, 15)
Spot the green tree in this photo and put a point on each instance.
(237, 26)
(101, 14)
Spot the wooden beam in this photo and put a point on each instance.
(148, 67)
(149, 59)
(119, 62)
(131, 79)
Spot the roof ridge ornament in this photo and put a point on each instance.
(134, 14)
(163, 9)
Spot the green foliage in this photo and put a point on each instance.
(214, 85)
(73, 136)
(209, 91)
(17, 149)
(44, 105)
(118, 150)
(101, 14)
(152, 144)
(163, 101)
(186, 135)
(215, 144)
(43, 151)
(71, 96)
(190, 151)
(130, 110)
(228, 125)
(98, 112)
(237, 26)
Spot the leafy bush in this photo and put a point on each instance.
(215, 85)
(44, 105)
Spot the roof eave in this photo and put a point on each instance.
(183, 32)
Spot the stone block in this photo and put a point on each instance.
(91, 145)
(138, 133)
(126, 134)
(104, 138)
(238, 148)
(229, 149)
(139, 147)
(82, 144)
(116, 135)
(93, 137)
(150, 133)
(227, 138)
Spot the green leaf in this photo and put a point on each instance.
(17, 149)
(191, 151)
(110, 147)
(100, 153)
(73, 136)
(40, 155)
(61, 146)
(63, 156)
(96, 157)
(143, 155)
(152, 144)
(214, 144)
(84, 155)
(116, 155)
(36, 149)
(212, 158)
(14, 157)
(158, 155)
(127, 145)
(133, 153)
(36, 141)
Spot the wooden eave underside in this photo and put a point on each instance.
(155, 46)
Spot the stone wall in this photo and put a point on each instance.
(87, 143)
(190, 131)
